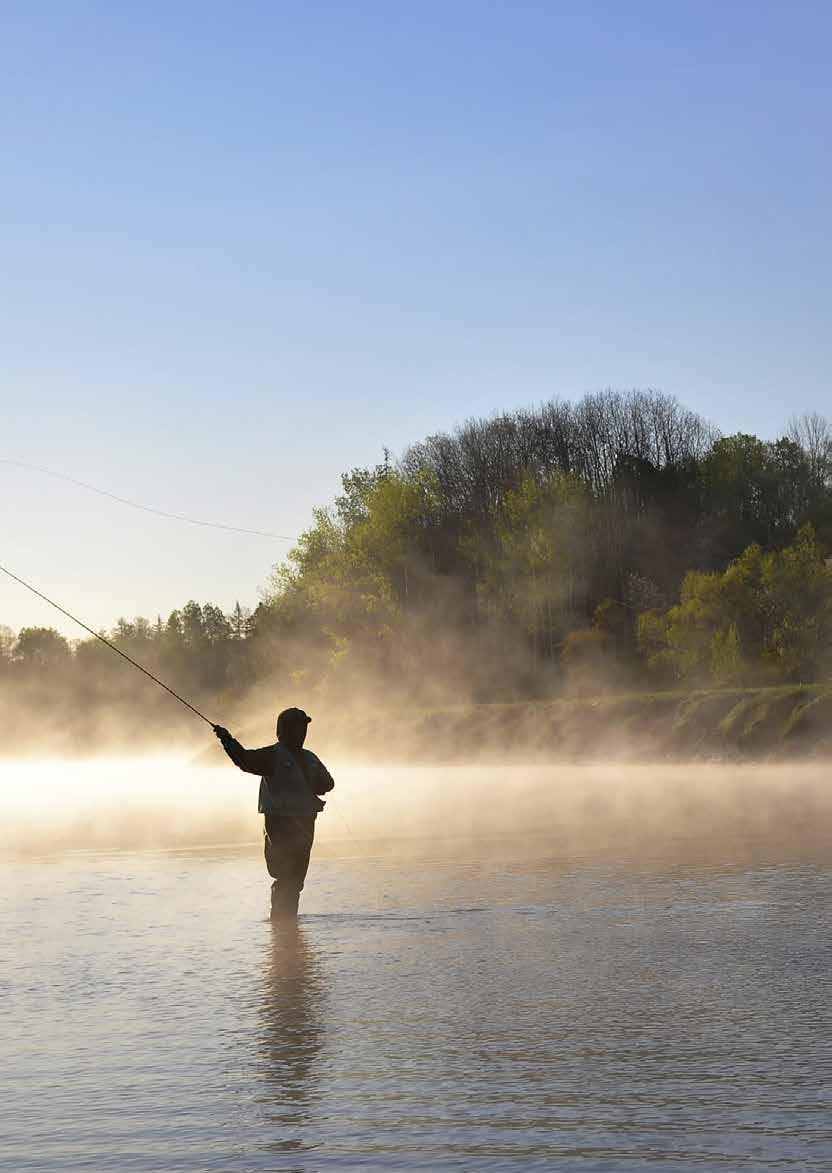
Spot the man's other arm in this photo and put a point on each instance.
(324, 781)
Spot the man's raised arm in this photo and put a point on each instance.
(253, 761)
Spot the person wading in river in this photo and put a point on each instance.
(291, 780)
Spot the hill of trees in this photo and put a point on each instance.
(619, 541)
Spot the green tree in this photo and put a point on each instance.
(768, 616)
(7, 642)
(357, 567)
(41, 648)
(532, 569)
(727, 665)
(238, 622)
(797, 585)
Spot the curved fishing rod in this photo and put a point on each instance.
(107, 642)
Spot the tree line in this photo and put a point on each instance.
(620, 539)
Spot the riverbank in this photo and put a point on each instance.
(736, 723)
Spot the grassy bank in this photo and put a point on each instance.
(781, 722)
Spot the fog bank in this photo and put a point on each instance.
(54, 806)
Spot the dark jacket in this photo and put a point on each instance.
(286, 788)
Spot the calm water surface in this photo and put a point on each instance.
(490, 1003)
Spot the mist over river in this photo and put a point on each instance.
(597, 967)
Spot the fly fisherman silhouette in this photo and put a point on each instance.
(291, 780)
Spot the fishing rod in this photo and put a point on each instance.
(107, 642)
(5, 570)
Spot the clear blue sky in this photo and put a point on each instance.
(244, 246)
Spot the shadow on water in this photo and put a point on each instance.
(292, 1014)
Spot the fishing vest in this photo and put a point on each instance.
(285, 790)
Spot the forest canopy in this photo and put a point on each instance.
(620, 540)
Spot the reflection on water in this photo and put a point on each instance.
(293, 1012)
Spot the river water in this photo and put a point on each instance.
(596, 968)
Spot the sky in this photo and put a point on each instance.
(244, 247)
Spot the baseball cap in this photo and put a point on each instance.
(290, 716)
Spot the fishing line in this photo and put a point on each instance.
(105, 641)
(236, 529)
